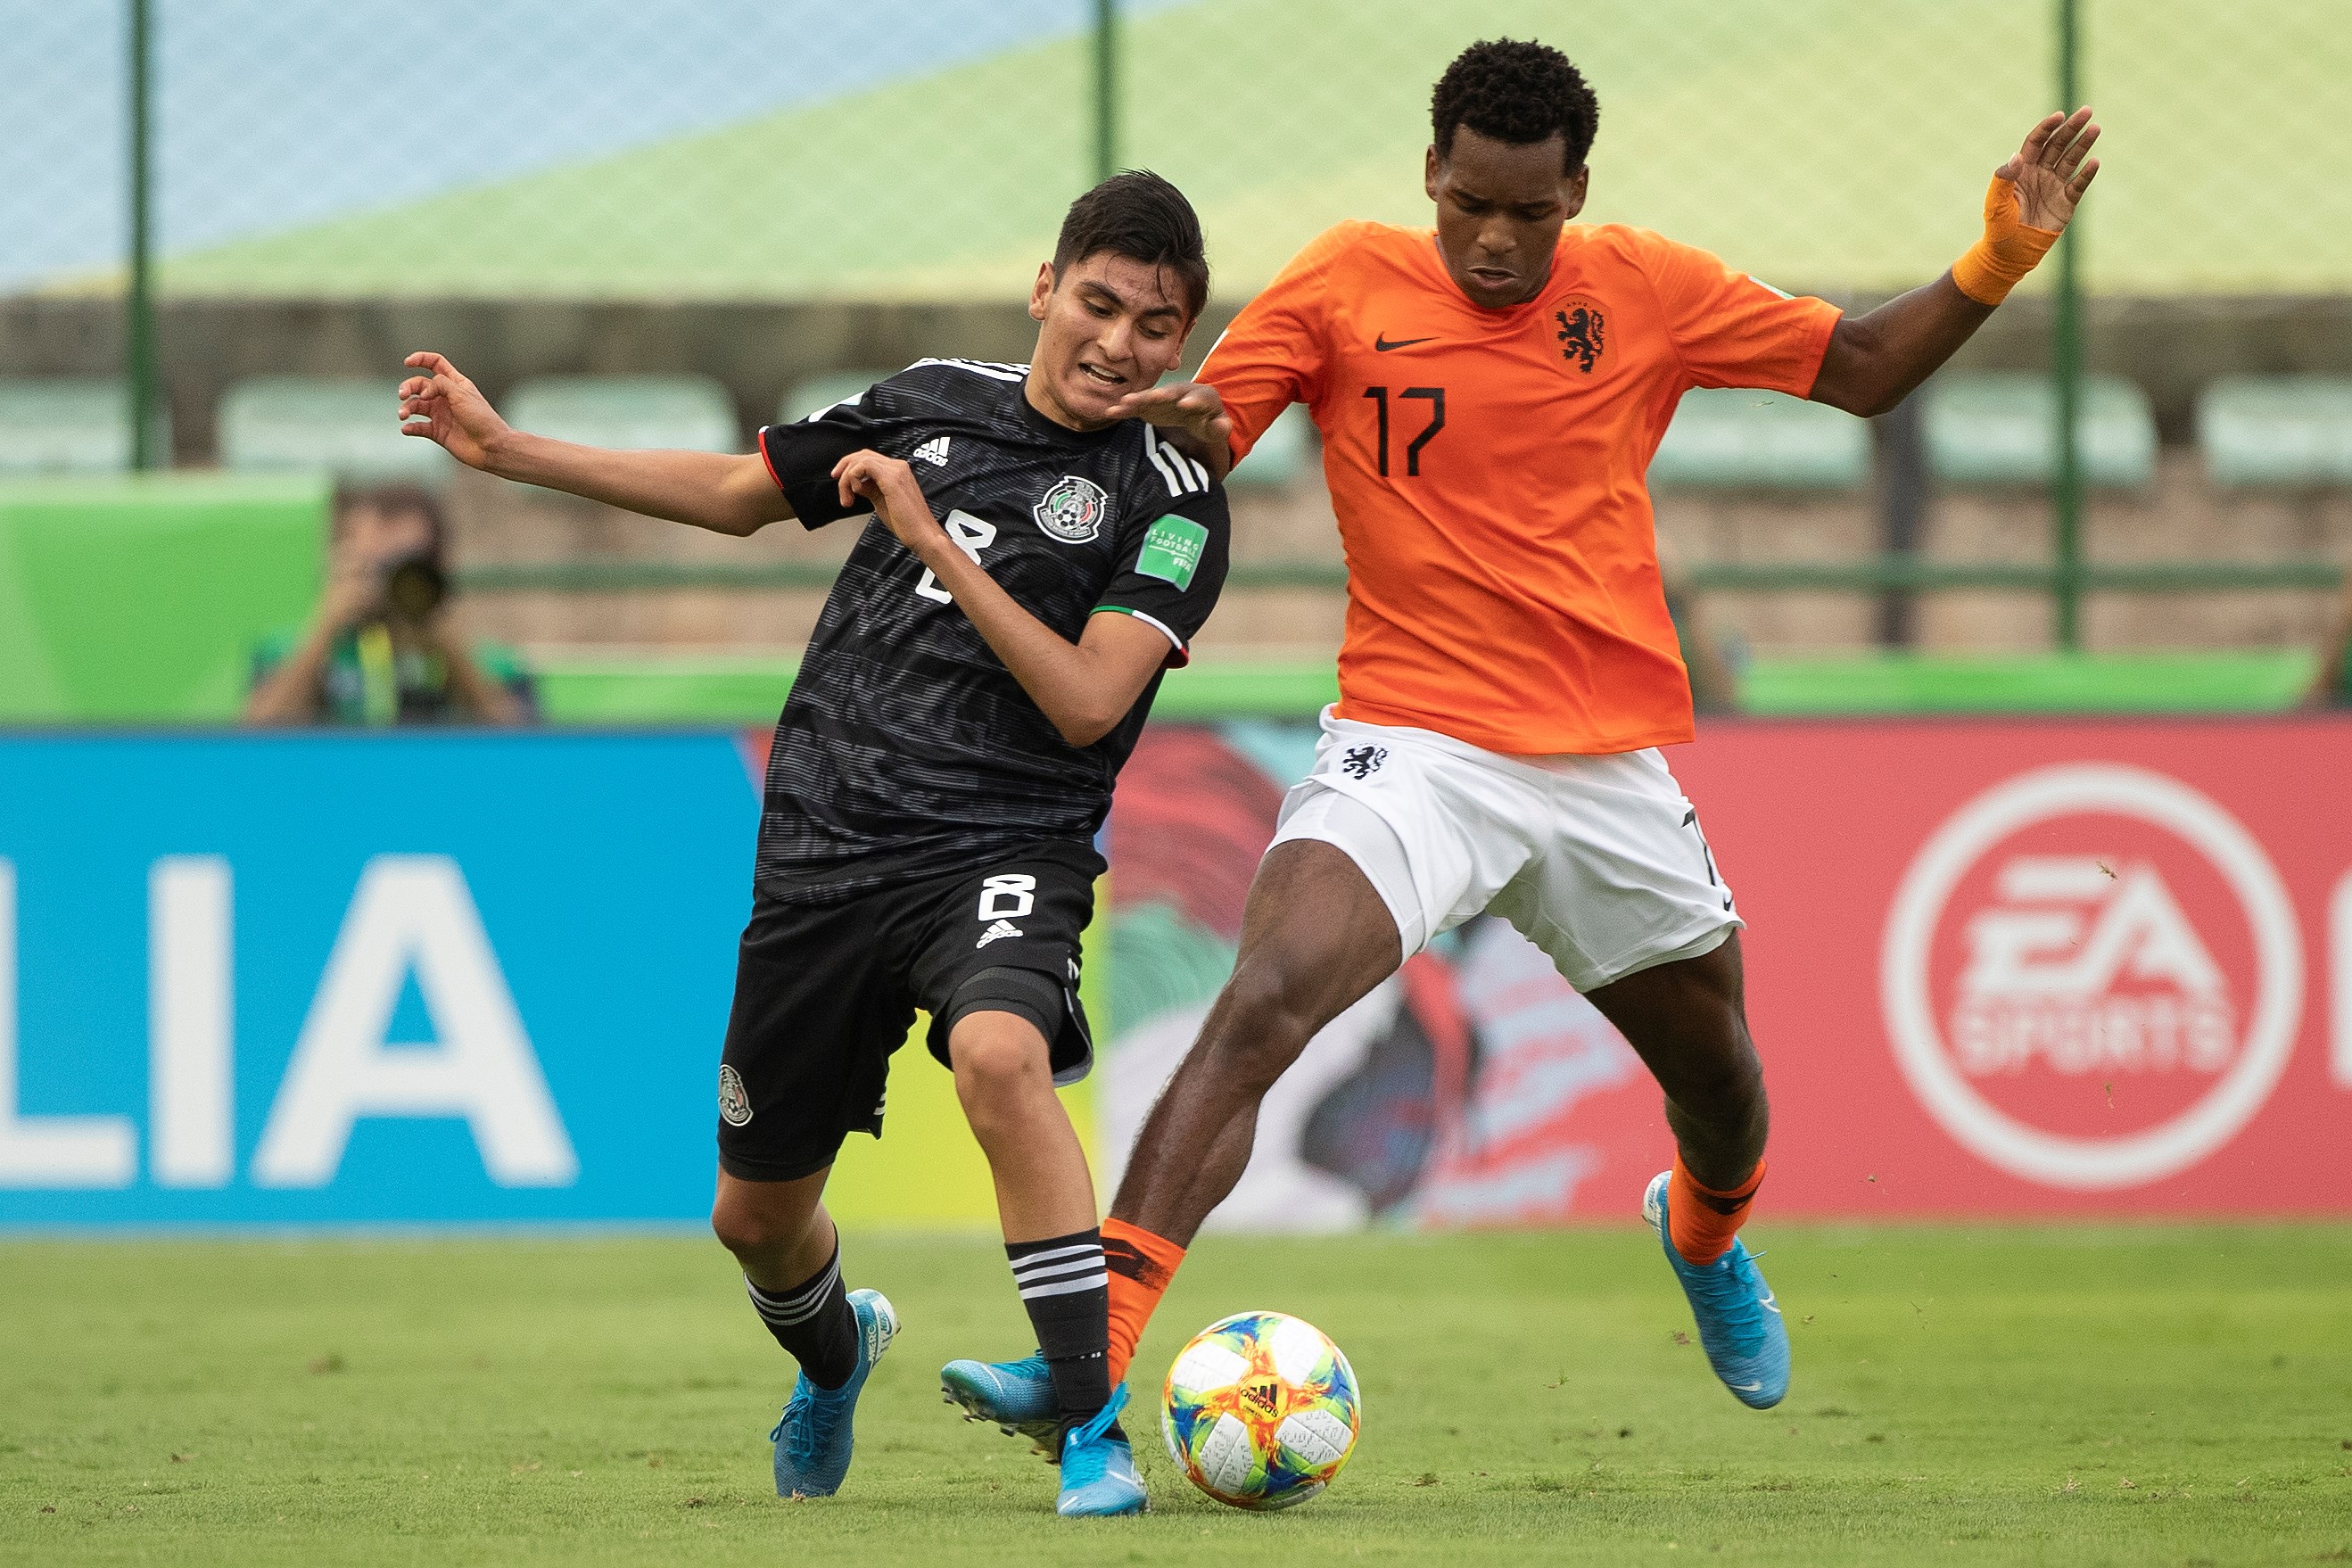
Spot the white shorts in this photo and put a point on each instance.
(1598, 860)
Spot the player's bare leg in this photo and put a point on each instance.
(1316, 937)
(1005, 1080)
(790, 1257)
(779, 1231)
(1688, 1021)
(1045, 1201)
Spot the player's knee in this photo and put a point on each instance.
(1000, 1066)
(752, 1230)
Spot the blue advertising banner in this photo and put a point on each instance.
(324, 979)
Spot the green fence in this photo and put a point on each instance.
(923, 150)
(708, 689)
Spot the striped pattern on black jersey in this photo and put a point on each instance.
(906, 749)
(1182, 476)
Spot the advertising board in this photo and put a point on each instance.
(1995, 968)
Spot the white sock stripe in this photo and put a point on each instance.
(792, 1319)
(798, 1293)
(799, 1306)
(1097, 1281)
(1030, 1260)
(1068, 1266)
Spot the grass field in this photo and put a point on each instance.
(2124, 1396)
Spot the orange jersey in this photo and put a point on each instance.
(1488, 467)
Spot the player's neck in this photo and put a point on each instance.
(1040, 397)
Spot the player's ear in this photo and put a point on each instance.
(1572, 193)
(1429, 163)
(1041, 290)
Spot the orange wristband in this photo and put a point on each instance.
(2009, 250)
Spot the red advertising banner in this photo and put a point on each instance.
(2062, 968)
(1995, 967)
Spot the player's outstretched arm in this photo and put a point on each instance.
(1875, 361)
(1086, 687)
(1194, 414)
(724, 492)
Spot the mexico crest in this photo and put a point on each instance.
(1073, 511)
(734, 1105)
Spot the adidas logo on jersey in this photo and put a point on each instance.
(934, 451)
(1001, 928)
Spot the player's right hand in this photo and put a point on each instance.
(1195, 409)
(453, 410)
(889, 486)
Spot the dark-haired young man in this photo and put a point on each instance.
(1490, 394)
(979, 674)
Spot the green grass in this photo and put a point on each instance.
(2121, 1395)
(1825, 144)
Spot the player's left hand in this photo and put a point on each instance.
(2053, 170)
(890, 487)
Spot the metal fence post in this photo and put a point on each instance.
(139, 334)
(1105, 89)
(2066, 370)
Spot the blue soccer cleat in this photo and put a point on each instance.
(1739, 1322)
(1099, 1478)
(1018, 1396)
(813, 1438)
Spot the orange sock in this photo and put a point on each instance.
(1140, 1265)
(1701, 1222)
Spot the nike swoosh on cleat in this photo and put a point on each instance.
(1770, 1303)
(1381, 345)
(1756, 1387)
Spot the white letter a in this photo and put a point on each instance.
(413, 911)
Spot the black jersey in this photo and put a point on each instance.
(907, 748)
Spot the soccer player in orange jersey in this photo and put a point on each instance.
(1490, 394)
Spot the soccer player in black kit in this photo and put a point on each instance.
(979, 673)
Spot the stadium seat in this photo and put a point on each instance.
(1994, 428)
(1726, 439)
(76, 424)
(821, 391)
(349, 428)
(2277, 432)
(1287, 449)
(630, 412)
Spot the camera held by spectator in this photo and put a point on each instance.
(381, 647)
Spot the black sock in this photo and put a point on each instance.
(1068, 1294)
(814, 1323)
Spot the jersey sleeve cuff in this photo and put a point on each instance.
(1817, 345)
(1180, 656)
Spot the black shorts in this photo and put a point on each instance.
(826, 993)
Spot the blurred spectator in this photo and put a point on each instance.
(2331, 682)
(381, 647)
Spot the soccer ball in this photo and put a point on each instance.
(1261, 1410)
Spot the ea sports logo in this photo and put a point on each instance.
(2091, 976)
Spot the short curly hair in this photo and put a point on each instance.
(1515, 92)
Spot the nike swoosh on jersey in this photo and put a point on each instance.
(1381, 345)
